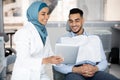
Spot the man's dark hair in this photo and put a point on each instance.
(76, 10)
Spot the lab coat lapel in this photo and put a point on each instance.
(36, 42)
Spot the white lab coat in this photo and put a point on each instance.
(30, 52)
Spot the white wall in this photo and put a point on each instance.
(112, 10)
(60, 13)
(93, 9)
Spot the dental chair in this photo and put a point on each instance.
(10, 55)
(8, 51)
(59, 76)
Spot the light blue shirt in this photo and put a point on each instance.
(67, 68)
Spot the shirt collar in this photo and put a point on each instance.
(84, 33)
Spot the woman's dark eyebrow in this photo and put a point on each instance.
(43, 12)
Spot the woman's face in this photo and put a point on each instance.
(43, 15)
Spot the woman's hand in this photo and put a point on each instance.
(52, 60)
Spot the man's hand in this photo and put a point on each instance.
(86, 70)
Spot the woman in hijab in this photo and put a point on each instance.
(33, 46)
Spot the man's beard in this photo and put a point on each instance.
(78, 30)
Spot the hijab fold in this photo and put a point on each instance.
(32, 15)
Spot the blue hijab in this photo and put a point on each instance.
(32, 15)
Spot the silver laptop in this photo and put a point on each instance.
(68, 52)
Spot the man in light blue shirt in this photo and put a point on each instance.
(86, 70)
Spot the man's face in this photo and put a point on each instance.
(76, 23)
